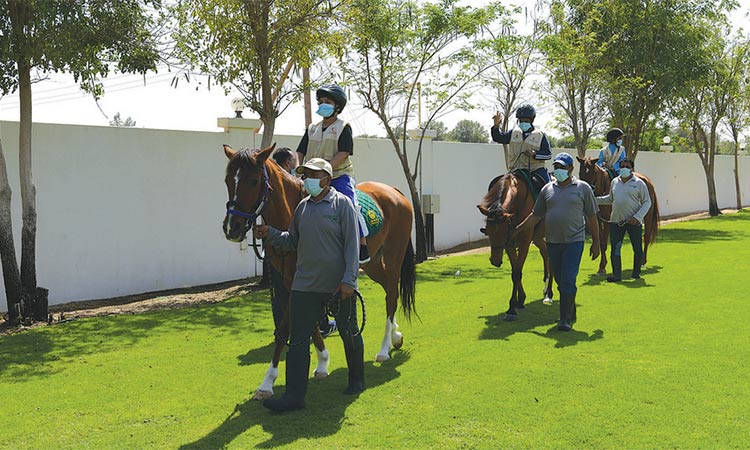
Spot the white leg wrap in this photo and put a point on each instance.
(265, 390)
(321, 371)
(385, 347)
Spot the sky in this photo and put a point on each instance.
(153, 102)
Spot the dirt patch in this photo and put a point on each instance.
(213, 293)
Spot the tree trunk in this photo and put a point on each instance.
(28, 191)
(737, 189)
(11, 274)
(708, 169)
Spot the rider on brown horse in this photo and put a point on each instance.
(526, 147)
(613, 152)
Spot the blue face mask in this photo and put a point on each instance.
(561, 174)
(312, 186)
(619, 142)
(325, 110)
(524, 126)
(625, 172)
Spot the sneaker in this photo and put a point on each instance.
(364, 255)
(332, 328)
(547, 301)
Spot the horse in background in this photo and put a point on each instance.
(257, 186)
(601, 182)
(507, 203)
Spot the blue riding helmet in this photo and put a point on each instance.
(526, 111)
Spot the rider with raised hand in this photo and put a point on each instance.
(630, 202)
(528, 148)
(613, 151)
(331, 139)
(323, 232)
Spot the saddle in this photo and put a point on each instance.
(370, 212)
(533, 181)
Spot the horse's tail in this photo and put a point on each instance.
(408, 282)
(654, 218)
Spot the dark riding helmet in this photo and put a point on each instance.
(526, 111)
(335, 93)
(614, 134)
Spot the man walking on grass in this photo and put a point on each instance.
(566, 205)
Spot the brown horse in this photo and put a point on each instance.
(508, 202)
(601, 181)
(257, 186)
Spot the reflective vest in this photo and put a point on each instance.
(325, 144)
(611, 159)
(518, 144)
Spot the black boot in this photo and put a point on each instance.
(636, 267)
(616, 269)
(297, 375)
(355, 360)
(566, 313)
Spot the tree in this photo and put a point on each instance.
(648, 50)
(704, 103)
(469, 131)
(738, 109)
(118, 122)
(86, 38)
(252, 45)
(517, 54)
(570, 53)
(397, 46)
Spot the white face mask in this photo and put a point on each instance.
(625, 172)
(312, 186)
(619, 142)
(561, 174)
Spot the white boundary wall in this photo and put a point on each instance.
(129, 210)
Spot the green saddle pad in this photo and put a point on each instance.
(370, 212)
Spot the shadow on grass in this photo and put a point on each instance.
(35, 353)
(536, 315)
(259, 355)
(323, 416)
(697, 235)
(596, 280)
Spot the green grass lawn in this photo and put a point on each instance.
(661, 362)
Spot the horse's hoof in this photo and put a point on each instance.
(320, 375)
(382, 358)
(397, 343)
(510, 317)
(262, 395)
(547, 301)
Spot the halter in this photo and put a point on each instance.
(260, 205)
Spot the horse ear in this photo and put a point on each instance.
(229, 152)
(580, 160)
(594, 161)
(265, 153)
(484, 210)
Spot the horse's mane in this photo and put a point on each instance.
(497, 192)
(244, 157)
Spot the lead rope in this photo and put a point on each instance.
(331, 309)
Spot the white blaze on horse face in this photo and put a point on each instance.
(236, 184)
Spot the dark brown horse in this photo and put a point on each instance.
(257, 186)
(601, 181)
(508, 202)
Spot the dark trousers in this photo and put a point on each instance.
(616, 236)
(304, 313)
(565, 260)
